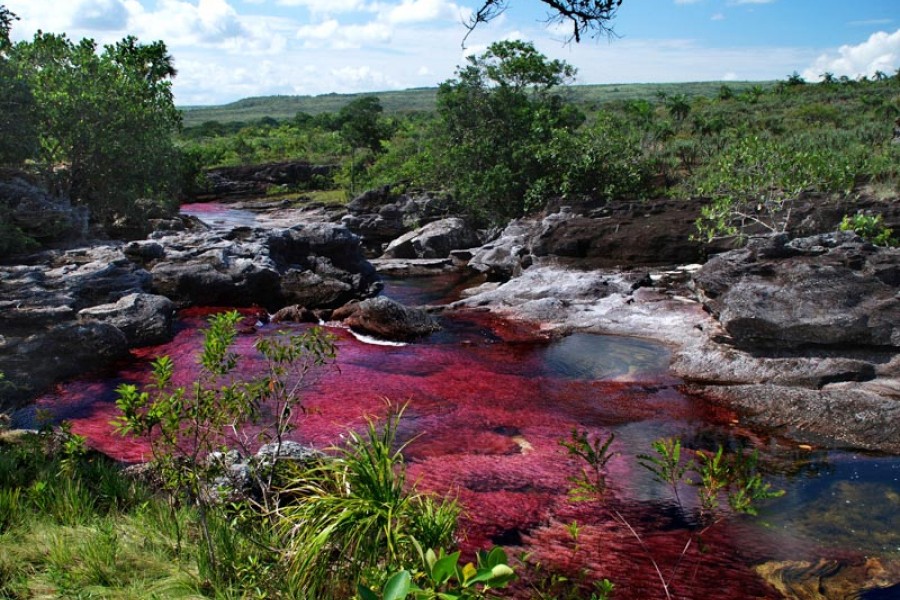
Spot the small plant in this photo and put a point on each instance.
(666, 465)
(591, 482)
(870, 228)
(354, 515)
(443, 578)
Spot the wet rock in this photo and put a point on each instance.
(145, 319)
(828, 290)
(435, 240)
(827, 579)
(386, 319)
(295, 314)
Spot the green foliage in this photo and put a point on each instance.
(753, 184)
(494, 119)
(354, 515)
(442, 577)
(590, 484)
(869, 227)
(666, 464)
(108, 118)
(184, 425)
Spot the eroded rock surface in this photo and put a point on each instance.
(379, 216)
(804, 369)
(435, 240)
(831, 290)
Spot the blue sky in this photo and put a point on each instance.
(229, 49)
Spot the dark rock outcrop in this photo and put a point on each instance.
(255, 180)
(313, 264)
(39, 215)
(435, 240)
(828, 290)
(386, 319)
(124, 295)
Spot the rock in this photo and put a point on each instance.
(289, 450)
(64, 350)
(312, 264)
(379, 216)
(295, 314)
(255, 180)
(435, 240)
(827, 290)
(804, 580)
(384, 318)
(39, 215)
(145, 319)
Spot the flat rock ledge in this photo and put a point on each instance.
(825, 391)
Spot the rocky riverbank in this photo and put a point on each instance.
(798, 335)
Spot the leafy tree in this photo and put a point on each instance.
(18, 133)
(493, 120)
(362, 124)
(107, 117)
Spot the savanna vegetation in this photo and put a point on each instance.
(508, 134)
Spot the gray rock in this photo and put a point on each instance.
(387, 319)
(435, 240)
(145, 319)
(826, 290)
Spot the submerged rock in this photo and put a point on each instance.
(827, 579)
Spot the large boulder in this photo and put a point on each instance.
(435, 240)
(832, 290)
(386, 319)
(313, 264)
(145, 319)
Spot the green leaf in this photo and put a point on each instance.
(397, 587)
(444, 568)
(365, 593)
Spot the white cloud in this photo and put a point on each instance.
(330, 7)
(687, 1)
(730, 76)
(105, 15)
(718, 17)
(362, 78)
(331, 34)
(881, 52)
(423, 11)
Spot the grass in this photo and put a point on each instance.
(423, 100)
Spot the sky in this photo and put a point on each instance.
(226, 50)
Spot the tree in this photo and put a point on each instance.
(590, 17)
(494, 120)
(106, 118)
(18, 132)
